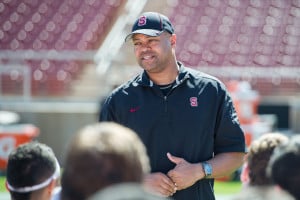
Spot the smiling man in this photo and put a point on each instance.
(185, 118)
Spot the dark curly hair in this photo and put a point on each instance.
(259, 155)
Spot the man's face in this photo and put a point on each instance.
(153, 53)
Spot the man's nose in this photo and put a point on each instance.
(145, 46)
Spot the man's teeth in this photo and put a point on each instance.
(147, 57)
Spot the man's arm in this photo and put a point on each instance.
(226, 163)
(185, 174)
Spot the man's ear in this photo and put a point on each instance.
(173, 40)
(51, 186)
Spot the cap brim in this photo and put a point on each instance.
(149, 32)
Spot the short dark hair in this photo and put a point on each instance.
(28, 165)
(100, 155)
(284, 166)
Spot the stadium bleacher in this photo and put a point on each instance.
(52, 25)
(232, 33)
(243, 33)
(211, 33)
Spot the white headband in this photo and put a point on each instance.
(26, 189)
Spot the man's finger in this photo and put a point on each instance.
(174, 159)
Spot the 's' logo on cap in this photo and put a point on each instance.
(142, 21)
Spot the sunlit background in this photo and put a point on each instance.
(59, 58)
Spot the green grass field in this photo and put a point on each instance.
(2, 184)
(227, 187)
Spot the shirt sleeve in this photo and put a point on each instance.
(229, 137)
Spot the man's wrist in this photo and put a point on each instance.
(207, 169)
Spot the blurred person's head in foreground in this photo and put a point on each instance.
(284, 166)
(32, 172)
(100, 155)
(256, 162)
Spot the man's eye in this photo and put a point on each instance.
(153, 41)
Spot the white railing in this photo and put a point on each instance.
(25, 72)
(270, 73)
(46, 54)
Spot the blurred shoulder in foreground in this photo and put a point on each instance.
(262, 193)
(125, 191)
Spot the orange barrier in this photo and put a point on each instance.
(246, 102)
(12, 136)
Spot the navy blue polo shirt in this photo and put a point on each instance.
(195, 120)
